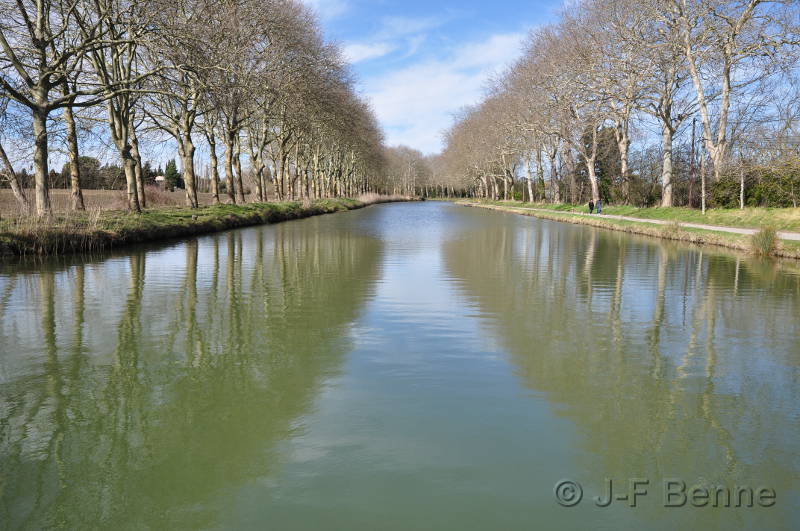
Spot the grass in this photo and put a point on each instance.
(672, 231)
(765, 241)
(97, 230)
(787, 219)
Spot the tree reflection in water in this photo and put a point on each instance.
(199, 365)
(670, 361)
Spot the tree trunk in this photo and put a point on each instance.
(258, 173)
(624, 145)
(212, 150)
(129, 166)
(258, 177)
(41, 170)
(186, 150)
(283, 175)
(666, 166)
(555, 189)
(298, 178)
(592, 180)
(120, 133)
(137, 168)
(741, 186)
(570, 167)
(716, 150)
(316, 173)
(530, 183)
(263, 181)
(16, 186)
(539, 173)
(74, 169)
(229, 179)
(590, 162)
(237, 162)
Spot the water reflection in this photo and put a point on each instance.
(672, 362)
(137, 390)
(404, 366)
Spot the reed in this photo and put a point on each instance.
(765, 241)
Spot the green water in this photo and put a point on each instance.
(406, 366)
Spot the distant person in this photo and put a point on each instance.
(591, 207)
(599, 206)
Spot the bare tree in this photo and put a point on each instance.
(44, 44)
(120, 70)
(729, 45)
(175, 98)
(6, 168)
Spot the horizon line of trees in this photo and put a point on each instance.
(252, 82)
(637, 102)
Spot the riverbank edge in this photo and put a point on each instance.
(668, 232)
(114, 229)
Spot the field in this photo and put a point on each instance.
(98, 199)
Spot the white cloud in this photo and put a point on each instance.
(328, 9)
(497, 51)
(355, 53)
(414, 44)
(415, 104)
(394, 33)
(401, 26)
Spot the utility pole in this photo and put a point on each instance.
(703, 175)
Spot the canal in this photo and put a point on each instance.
(405, 366)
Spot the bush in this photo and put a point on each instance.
(770, 193)
(725, 193)
(765, 241)
(775, 186)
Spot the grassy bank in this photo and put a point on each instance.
(569, 214)
(787, 219)
(99, 230)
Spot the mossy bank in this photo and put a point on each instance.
(86, 232)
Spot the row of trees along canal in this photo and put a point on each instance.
(253, 79)
(636, 101)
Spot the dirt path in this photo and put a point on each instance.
(784, 235)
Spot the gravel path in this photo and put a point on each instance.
(795, 236)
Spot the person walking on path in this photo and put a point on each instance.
(599, 206)
(591, 207)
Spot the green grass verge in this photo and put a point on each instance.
(787, 219)
(98, 231)
(741, 242)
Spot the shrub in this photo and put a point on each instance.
(157, 197)
(725, 193)
(776, 185)
(765, 241)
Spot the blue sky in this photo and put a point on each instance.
(419, 62)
